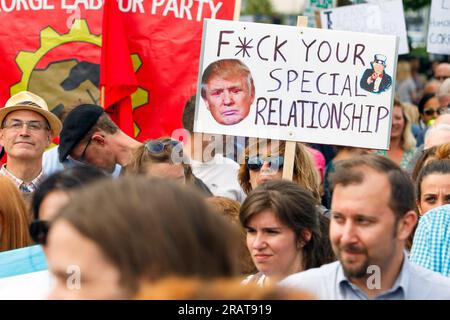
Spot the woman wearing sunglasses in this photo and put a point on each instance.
(285, 232)
(54, 193)
(264, 162)
(14, 218)
(164, 158)
(429, 109)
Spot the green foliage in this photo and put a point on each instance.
(415, 4)
(258, 7)
(419, 52)
(407, 4)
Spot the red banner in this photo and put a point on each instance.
(52, 48)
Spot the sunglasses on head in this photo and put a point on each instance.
(39, 231)
(156, 146)
(255, 163)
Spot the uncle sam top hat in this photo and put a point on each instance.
(380, 59)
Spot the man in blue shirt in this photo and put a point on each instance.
(372, 217)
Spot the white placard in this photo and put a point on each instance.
(28, 286)
(308, 84)
(313, 6)
(385, 17)
(439, 27)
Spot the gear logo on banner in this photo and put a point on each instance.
(55, 73)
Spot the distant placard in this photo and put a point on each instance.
(316, 5)
(24, 274)
(439, 27)
(385, 17)
(298, 84)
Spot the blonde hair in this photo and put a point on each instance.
(14, 217)
(403, 70)
(305, 173)
(442, 152)
(413, 112)
(178, 288)
(408, 140)
(143, 157)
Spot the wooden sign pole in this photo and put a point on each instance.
(289, 152)
(237, 10)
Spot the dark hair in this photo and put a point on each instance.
(151, 228)
(424, 100)
(424, 156)
(440, 152)
(435, 166)
(104, 123)
(189, 114)
(69, 179)
(295, 207)
(352, 172)
(230, 209)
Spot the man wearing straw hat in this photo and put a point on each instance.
(27, 129)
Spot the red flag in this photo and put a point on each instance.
(117, 75)
(57, 56)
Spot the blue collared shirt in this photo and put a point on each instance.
(330, 283)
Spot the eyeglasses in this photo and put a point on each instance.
(430, 112)
(255, 163)
(32, 125)
(83, 154)
(157, 146)
(39, 231)
(82, 159)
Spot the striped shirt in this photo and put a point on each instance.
(25, 187)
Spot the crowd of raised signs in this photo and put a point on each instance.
(114, 218)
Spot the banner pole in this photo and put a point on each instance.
(289, 152)
(237, 10)
(102, 97)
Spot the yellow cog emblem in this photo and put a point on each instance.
(59, 83)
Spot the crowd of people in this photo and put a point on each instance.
(164, 219)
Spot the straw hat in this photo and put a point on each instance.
(25, 100)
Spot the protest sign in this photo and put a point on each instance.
(384, 17)
(297, 84)
(52, 48)
(24, 274)
(27, 286)
(313, 6)
(439, 27)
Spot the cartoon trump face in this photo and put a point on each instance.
(228, 91)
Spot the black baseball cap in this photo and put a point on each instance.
(75, 127)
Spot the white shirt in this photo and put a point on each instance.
(221, 176)
(51, 163)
